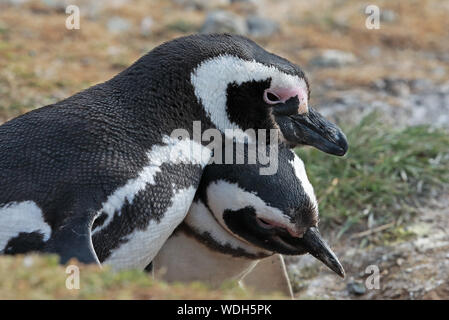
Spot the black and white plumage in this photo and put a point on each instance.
(100, 158)
(239, 218)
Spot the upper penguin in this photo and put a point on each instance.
(106, 156)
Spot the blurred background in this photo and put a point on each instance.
(384, 204)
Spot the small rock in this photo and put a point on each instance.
(114, 50)
(444, 89)
(246, 7)
(118, 25)
(146, 26)
(333, 58)
(329, 83)
(439, 71)
(375, 51)
(14, 2)
(224, 22)
(379, 84)
(387, 15)
(86, 61)
(118, 3)
(57, 5)
(356, 288)
(28, 262)
(92, 9)
(397, 87)
(202, 4)
(421, 85)
(261, 27)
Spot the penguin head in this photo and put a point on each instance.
(242, 86)
(277, 213)
(228, 82)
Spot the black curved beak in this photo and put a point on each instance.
(317, 247)
(311, 129)
(313, 243)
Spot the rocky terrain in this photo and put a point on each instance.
(412, 269)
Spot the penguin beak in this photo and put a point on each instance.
(312, 242)
(317, 247)
(312, 129)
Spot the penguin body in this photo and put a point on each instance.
(93, 177)
(241, 221)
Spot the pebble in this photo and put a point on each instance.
(387, 15)
(374, 51)
(28, 262)
(221, 21)
(13, 2)
(261, 27)
(118, 25)
(146, 26)
(421, 85)
(333, 58)
(202, 4)
(397, 87)
(356, 288)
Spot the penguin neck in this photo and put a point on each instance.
(155, 104)
(183, 258)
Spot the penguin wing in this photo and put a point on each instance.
(72, 238)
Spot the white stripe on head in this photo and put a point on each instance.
(223, 195)
(200, 219)
(300, 172)
(212, 77)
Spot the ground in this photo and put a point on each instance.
(383, 204)
(411, 269)
(42, 277)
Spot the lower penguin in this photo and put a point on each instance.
(240, 224)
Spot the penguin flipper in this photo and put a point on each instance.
(73, 240)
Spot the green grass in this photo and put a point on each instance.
(386, 174)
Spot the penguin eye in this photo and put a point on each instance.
(271, 97)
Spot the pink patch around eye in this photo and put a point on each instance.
(281, 95)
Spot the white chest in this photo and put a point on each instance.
(184, 259)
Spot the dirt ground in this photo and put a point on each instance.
(413, 269)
